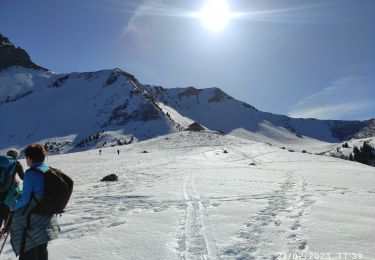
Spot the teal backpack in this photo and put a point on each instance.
(13, 194)
(7, 171)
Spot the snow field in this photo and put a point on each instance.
(186, 198)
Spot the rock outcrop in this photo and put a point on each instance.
(12, 56)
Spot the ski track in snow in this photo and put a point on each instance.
(196, 239)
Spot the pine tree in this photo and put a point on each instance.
(357, 154)
(367, 153)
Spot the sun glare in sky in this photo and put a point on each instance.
(215, 15)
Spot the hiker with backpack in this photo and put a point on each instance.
(46, 192)
(9, 186)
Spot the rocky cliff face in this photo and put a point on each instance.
(12, 56)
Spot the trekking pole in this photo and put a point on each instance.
(5, 240)
(7, 232)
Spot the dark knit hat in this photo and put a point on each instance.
(13, 153)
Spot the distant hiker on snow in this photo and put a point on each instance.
(100, 152)
(46, 192)
(118, 152)
(9, 186)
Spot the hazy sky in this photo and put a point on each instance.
(301, 58)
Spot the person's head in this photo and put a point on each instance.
(35, 153)
(13, 153)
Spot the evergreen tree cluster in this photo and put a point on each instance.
(87, 140)
(364, 154)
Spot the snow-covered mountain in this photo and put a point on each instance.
(79, 111)
(219, 111)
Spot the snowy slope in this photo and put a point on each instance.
(17, 82)
(187, 199)
(219, 111)
(77, 111)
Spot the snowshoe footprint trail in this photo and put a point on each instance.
(279, 221)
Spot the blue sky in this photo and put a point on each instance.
(300, 58)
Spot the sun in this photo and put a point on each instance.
(215, 15)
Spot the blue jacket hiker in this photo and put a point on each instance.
(30, 232)
(33, 184)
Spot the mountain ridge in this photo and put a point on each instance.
(89, 110)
